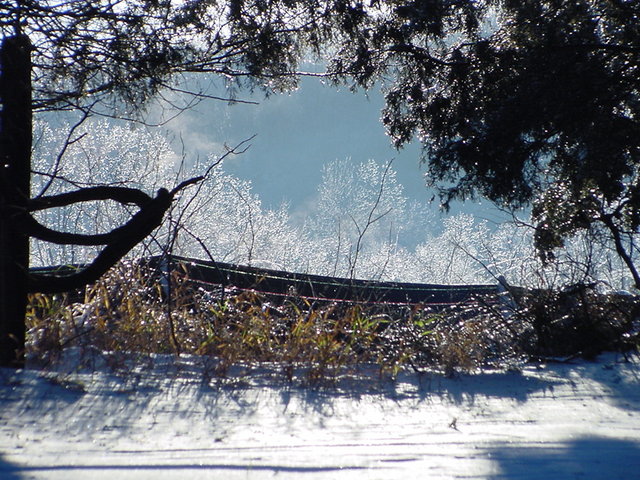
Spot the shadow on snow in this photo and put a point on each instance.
(594, 458)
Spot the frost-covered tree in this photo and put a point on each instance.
(360, 211)
(227, 222)
(223, 219)
(102, 154)
(452, 256)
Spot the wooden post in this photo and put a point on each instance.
(15, 178)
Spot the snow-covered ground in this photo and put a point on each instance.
(167, 418)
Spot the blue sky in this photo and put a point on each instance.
(296, 134)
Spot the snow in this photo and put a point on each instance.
(165, 417)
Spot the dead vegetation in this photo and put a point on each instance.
(131, 310)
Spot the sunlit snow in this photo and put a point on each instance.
(168, 418)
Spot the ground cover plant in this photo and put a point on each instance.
(134, 311)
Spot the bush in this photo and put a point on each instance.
(578, 321)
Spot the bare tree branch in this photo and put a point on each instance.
(123, 195)
(120, 242)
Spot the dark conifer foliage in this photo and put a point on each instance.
(88, 51)
(527, 103)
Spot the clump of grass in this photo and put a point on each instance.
(324, 339)
(130, 310)
(49, 321)
(124, 312)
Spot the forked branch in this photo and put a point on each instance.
(118, 242)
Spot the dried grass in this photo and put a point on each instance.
(130, 310)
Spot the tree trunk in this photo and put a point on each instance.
(15, 176)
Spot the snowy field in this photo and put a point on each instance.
(167, 418)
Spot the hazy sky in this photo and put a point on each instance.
(296, 134)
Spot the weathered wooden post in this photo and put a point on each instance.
(15, 176)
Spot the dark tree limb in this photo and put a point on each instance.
(422, 54)
(120, 242)
(34, 229)
(622, 252)
(124, 195)
(131, 233)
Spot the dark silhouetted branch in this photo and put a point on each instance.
(119, 241)
(124, 195)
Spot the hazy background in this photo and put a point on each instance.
(295, 135)
(302, 198)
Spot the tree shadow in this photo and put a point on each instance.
(617, 374)
(195, 390)
(590, 458)
(424, 387)
(182, 469)
(8, 470)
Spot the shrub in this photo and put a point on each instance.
(579, 321)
